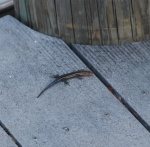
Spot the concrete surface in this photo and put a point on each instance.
(126, 68)
(5, 140)
(82, 114)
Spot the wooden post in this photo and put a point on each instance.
(87, 21)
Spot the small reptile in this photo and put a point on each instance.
(65, 77)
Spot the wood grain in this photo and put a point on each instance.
(64, 20)
(87, 21)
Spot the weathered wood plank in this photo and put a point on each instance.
(23, 12)
(52, 18)
(141, 19)
(102, 16)
(41, 13)
(112, 24)
(123, 21)
(16, 8)
(79, 21)
(31, 13)
(92, 22)
(88, 21)
(64, 20)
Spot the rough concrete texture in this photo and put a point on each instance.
(81, 114)
(5, 140)
(126, 68)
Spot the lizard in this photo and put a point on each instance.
(65, 77)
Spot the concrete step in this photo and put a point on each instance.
(84, 113)
(5, 140)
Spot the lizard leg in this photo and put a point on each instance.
(80, 78)
(55, 76)
(66, 82)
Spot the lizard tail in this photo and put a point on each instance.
(50, 85)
